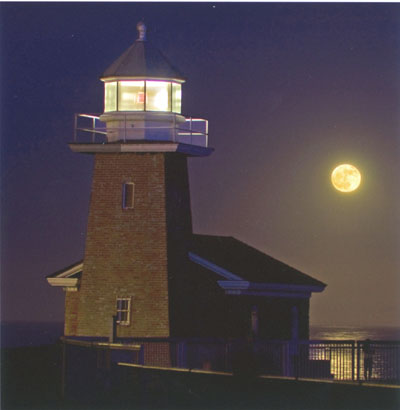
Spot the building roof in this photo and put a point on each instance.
(71, 271)
(67, 278)
(248, 263)
(237, 268)
(142, 59)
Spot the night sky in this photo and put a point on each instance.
(290, 91)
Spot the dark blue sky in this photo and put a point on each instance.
(290, 90)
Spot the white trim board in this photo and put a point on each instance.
(69, 272)
(235, 285)
(63, 279)
(211, 266)
(92, 148)
(273, 294)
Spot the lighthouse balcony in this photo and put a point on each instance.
(130, 128)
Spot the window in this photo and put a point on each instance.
(135, 95)
(128, 194)
(176, 97)
(130, 95)
(158, 96)
(123, 311)
(110, 96)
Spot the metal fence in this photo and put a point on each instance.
(88, 128)
(347, 360)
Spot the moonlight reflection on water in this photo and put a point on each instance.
(343, 347)
(354, 333)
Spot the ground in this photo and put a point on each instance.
(31, 379)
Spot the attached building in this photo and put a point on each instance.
(145, 274)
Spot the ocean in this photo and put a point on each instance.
(19, 334)
(381, 333)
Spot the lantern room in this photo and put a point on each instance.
(142, 103)
(142, 94)
(130, 95)
(141, 80)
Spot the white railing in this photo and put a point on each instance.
(89, 129)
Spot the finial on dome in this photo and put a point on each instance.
(141, 28)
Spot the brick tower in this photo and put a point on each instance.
(146, 277)
(139, 226)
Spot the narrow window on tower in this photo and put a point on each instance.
(128, 195)
(123, 311)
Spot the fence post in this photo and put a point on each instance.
(174, 131)
(94, 128)
(352, 359)
(75, 125)
(141, 355)
(286, 352)
(296, 359)
(227, 361)
(124, 128)
(182, 356)
(191, 130)
(64, 365)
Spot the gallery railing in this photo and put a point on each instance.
(89, 129)
(347, 360)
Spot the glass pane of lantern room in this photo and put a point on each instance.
(131, 96)
(158, 96)
(176, 97)
(110, 96)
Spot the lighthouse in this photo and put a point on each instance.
(139, 222)
(146, 277)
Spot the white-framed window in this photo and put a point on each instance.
(158, 96)
(110, 96)
(124, 311)
(176, 97)
(143, 95)
(128, 195)
(130, 95)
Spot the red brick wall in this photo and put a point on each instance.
(71, 313)
(142, 253)
(126, 250)
(157, 354)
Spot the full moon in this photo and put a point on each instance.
(346, 178)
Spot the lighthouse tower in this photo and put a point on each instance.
(145, 275)
(139, 225)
